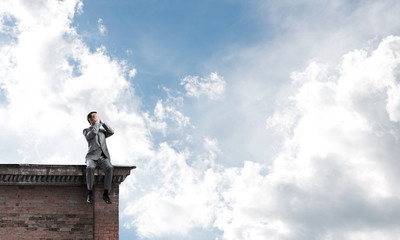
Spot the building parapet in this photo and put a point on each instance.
(71, 175)
(49, 202)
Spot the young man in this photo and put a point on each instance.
(98, 154)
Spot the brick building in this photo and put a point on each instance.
(49, 202)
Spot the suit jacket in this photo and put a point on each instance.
(96, 138)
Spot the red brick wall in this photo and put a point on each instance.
(49, 202)
(43, 212)
(106, 216)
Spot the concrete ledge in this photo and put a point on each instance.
(71, 175)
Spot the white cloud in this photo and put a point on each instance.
(50, 80)
(101, 27)
(167, 116)
(178, 199)
(132, 73)
(212, 86)
(334, 178)
(334, 164)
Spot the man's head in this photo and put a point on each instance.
(92, 117)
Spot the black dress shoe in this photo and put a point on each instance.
(106, 198)
(89, 199)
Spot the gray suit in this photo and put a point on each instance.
(98, 154)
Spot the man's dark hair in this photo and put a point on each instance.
(90, 115)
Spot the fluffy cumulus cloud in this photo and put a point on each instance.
(49, 80)
(179, 198)
(336, 176)
(212, 86)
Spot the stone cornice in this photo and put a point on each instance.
(68, 175)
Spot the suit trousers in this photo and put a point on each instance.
(105, 164)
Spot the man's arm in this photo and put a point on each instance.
(109, 130)
(91, 133)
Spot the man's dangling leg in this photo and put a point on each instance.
(108, 169)
(90, 167)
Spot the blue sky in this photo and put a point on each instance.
(167, 40)
(246, 119)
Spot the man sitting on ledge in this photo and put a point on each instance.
(98, 154)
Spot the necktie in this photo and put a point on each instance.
(98, 139)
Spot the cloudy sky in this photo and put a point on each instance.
(255, 119)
